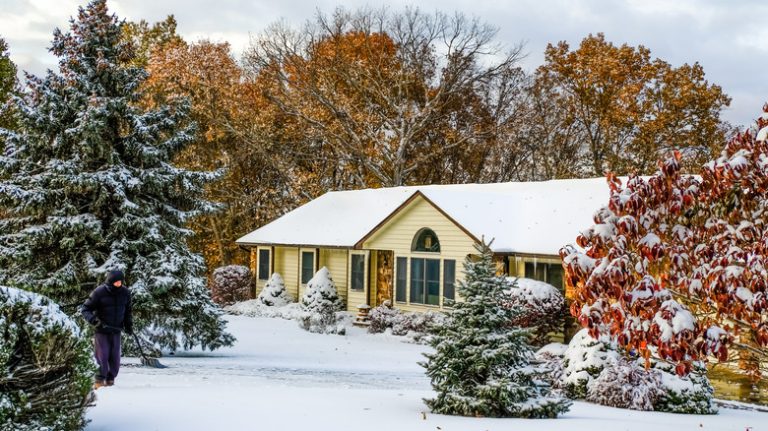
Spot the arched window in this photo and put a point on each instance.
(426, 240)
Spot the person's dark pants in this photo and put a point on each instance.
(107, 355)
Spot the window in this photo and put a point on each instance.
(307, 266)
(432, 279)
(425, 281)
(426, 240)
(449, 279)
(534, 271)
(357, 272)
(401, 279)
(555, 276)
(547, 272)
(417, 280)
(264, 264)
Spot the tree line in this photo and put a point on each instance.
(378, 98)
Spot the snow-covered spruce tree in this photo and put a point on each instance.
(231, 283)
(274, 294)
(87, 184)
(691, 394)
(481, 366)
(46, 365)
(320, 304)
(584, 360)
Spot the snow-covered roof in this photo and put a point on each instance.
(521, 217)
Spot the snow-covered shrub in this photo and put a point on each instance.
(626, 384)
(254, 308)
(543, 308)
(320, 304)
(382, 318)
(415, 325)
(46, 367)
(584, 360)
(691, 394)
(274, 293)
(232, 283)
(416, 322)
(550, 362)
(593, 369)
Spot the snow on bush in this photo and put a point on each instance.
(626, 384)
(594, 365)
(232, 283)
(46, 367)
(320, 304)
(550, 361)
(255, 308)
(274, 294)
(415, 325)
(584, 360)
(382, 318)
(543, 308)
(691, 394)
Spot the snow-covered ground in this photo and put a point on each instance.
(278, 377)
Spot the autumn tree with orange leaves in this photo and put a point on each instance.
(391, 96)
(625, 109)
(676, 266)
(251, 189)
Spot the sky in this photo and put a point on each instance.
(728, 37)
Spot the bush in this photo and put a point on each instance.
(692, 394)
(596, 366)
(46, 365)
(626, 384)
(543, 308)
(413, 324)
(274, 294)
(231, 284)
(550, 361)
(584, 360)
(320, 304)
(382, 318)
(254, 308)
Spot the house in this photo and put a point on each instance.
(408, 244)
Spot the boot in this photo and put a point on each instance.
(110, 382)
(98, 384)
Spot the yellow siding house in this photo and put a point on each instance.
(408, 244)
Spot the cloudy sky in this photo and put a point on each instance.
(729, 38)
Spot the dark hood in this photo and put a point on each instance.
(114, 276)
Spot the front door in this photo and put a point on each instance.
(384, 276)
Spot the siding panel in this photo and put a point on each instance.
(336, 262)
(287, 264)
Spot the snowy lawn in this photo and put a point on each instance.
(278, 377)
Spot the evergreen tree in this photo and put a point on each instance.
(88, 185)
(8, 86)
(274, 293)
(319, 305)
(481, 366)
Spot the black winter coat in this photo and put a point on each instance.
(109, 309)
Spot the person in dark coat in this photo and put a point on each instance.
(108, 309)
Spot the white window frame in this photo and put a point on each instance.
(270, 270)
(301, 264)
(366, 270)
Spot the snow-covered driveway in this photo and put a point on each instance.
(278, 377)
